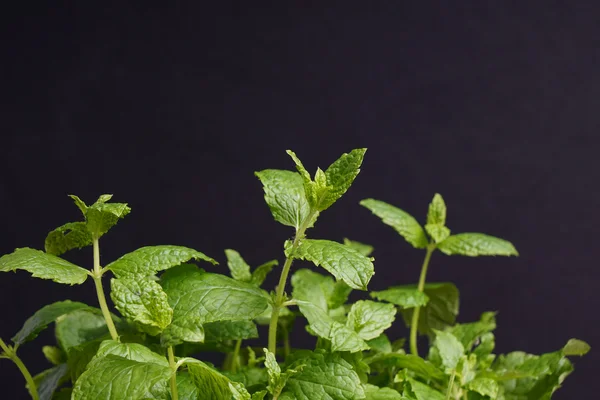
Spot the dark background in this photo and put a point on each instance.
(173, 108)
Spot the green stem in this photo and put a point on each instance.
(450, 384)
(283, 280)
(97, 276)
(235, 361)
(286, 344)
(12, 354)
(173, 381)
(415, 317)
(465, 394)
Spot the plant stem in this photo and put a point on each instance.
(283, 280)
(97, 276)
(415, 317)
(236, 355)
(12, 354)
(174, 395)
(286, 344)
(450, 384)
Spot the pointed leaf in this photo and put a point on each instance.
(369, 318)
(449, 348)
(211, 383)
(438, 233)
(240, 271)
(467, 334)
(441, 309)
(341, 261)
(401, 221)
(54, 355)
(143, 301)
(151, 259)
(437, 211)
(312, 287)
(44, 266)
(80, 326)
(476, 244)
(79, 203)
(307, 183)
(101, 216)
(362, 248)
(49, 380)
(403, 296)
(43, 317)
(485, 386)
(576, 347)
(260, 273)
(340, 176)
(131, 351)
(376, 393)
(413, 363)
(73, 235)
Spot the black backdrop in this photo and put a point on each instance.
(173, 108)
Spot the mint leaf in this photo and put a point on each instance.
(341, 261)
(369, 318)
(79, 327)
(485, 386)
(78, 357)
(467, 334)
(44, 266)
(380, 344)
(239, 391)
(100, 217)
(143, 301)
(440, 311)
(261, 272)
(438, 233)
(54, 355)
(187, 389)
(240, 271)
(401, 221)
(131, 351)
(340, 175)
(437, 211)
(79, 203)
(73, 235)
(49, 380)
(113, 377)
(229, 330)
(449, 348)
(342, 338)
(151, 259)
(413, 363)
(285, 195)
(312, 287)
(422, 391)
(403, 296)
(307, 183)
(576, 347)
(362, 248)
(43, 317)
(323, 376)
(211, 383)
(200, 297)
(189, 329)
(277, 380)
(376, 393)
(476, 244)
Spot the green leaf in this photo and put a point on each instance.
(240, 271)
(376, 393)
(43, 317)
(449, 348)
(49, 380)
(401, 221)
(467, 334)
(341, 261)
(440, 311)
(261, 272)
(187, 389)
(151, 259)
(308, 184)
(73, 235)
(285, 195)
(485, 386)
(438, 233)
(188, 329)
(312, 287)
(323, 376)
(229, 330)
(211, 383)
(239, 391)
(403, 296)
(576, 347)
(476, 244)
(113, 377)
(277, 380)
(422, 391)
(200, 297)
(340, 176)
(369, 318)
(44, 266)
(79, 203)
(131, 351)
(413, 363)
(79, 327)
(102, 216)
(362, 248)
(54, 355)
(78, 357)
(380, 344)
(342, 338)
(437, 211)
(143, 301)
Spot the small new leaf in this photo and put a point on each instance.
(401, 221)
(73, 235)
(239, 269)
(476, 244)
(403, 296)
(101, 216)
(44, 266)
(449, 349)
(340, 176)
(437, 211)
(369, 318)
(277, 380)
(260, 273)
(576, 347)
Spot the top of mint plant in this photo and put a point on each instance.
(171, 310)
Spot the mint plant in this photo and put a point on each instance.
(169, 313)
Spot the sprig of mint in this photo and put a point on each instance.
(170, 309)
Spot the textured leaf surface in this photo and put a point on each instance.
(239, 269)
(210, 383)
(440, 311)
(422, 391)
(436, 214)
(449, 348)
(113, 377)
(477, 244)
(413, 363)
(151, 259)
(324, 376)
(376, 393)
(260, 273)
(43, 317)
(468, 333)
(401, 221)
(229, 330)
(285, 195)
(131, 351)
(204, 297)
(438, 233)
(342, 338)
(340, 176)
(313, 287)
(403, 296)
(73, 235)
(362, 248)
(44, 266)
(369, 318)
(341, 261)
(48, 381)
(79, 327)
(142, 300)
(101, 216)
(485, 386)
